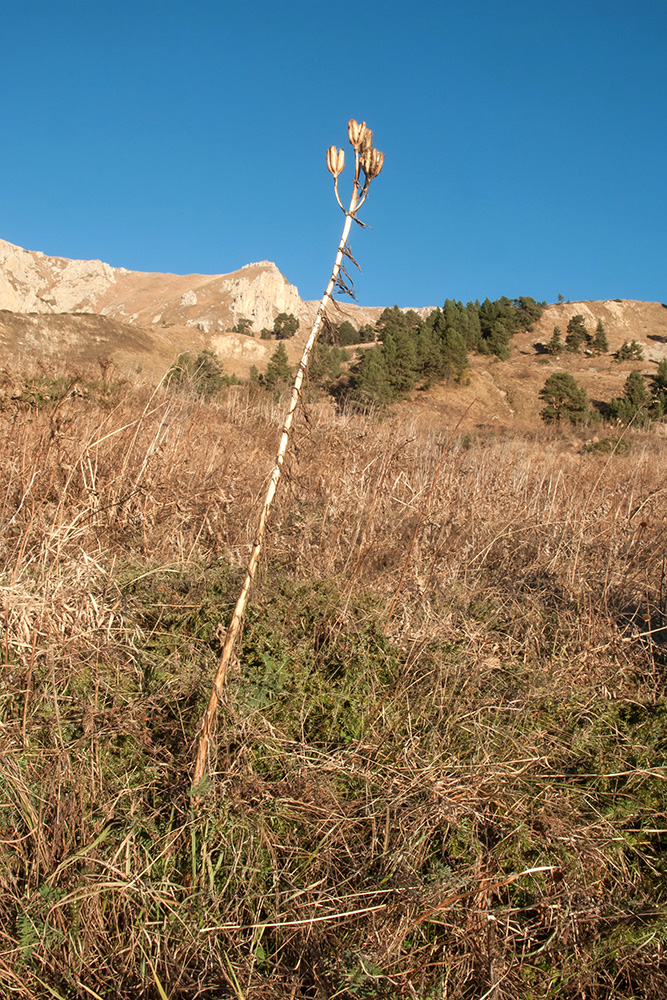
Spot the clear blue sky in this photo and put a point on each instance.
(525, 140)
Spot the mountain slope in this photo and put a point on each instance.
(506, 393)
(33, 282)
(154, 315)
(56, 309)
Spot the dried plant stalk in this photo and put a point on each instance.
(370, 161)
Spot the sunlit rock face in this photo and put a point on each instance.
(259, 292)
(32, 282)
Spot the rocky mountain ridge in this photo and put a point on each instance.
(53, 309)
(32, 282)
(154, 315)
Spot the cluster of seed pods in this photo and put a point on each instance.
(366, 159)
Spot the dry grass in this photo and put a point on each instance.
(465, 799)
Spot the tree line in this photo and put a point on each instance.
(400, 351)
(403, 350)
(413, 351)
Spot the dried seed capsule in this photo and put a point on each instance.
(366, 141)
(355, 131)
(372, 161)
(335, 160)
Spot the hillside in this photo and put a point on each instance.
(505, 393)
(54, 309)
(438, 765)
(141, 317)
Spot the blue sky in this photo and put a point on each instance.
(525, 142)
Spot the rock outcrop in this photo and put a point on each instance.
(144, 319)
(32, 282)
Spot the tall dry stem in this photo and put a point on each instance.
(368, 161)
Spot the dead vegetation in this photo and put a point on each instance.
(465, 798)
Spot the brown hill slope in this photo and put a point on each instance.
(169, 313)
(56, 309)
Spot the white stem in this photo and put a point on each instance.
(235, 623)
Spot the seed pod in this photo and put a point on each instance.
(355, 132)
(372, 161)
(366, 142)
(335, 160)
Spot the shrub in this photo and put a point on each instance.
(599, 343)
(278, 371)
(203, 375)
(610, 445)
(630, 351)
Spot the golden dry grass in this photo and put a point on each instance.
(464, 798)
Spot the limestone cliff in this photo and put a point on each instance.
(32, 282)
(59, 310)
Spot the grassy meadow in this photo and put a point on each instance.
(439, 768)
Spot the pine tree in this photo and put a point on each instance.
(371, 381)
(659, 390)
(428, 343)
(599, 343)
(453, 354)
(473, 330)
(635, 390)
(636, 403)
(577, 333)
(402, 361)
(394, 322)
(278, 371)
(565, 399)
(555, 345)
(325, 365)
(346, 334)
(285, 326)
